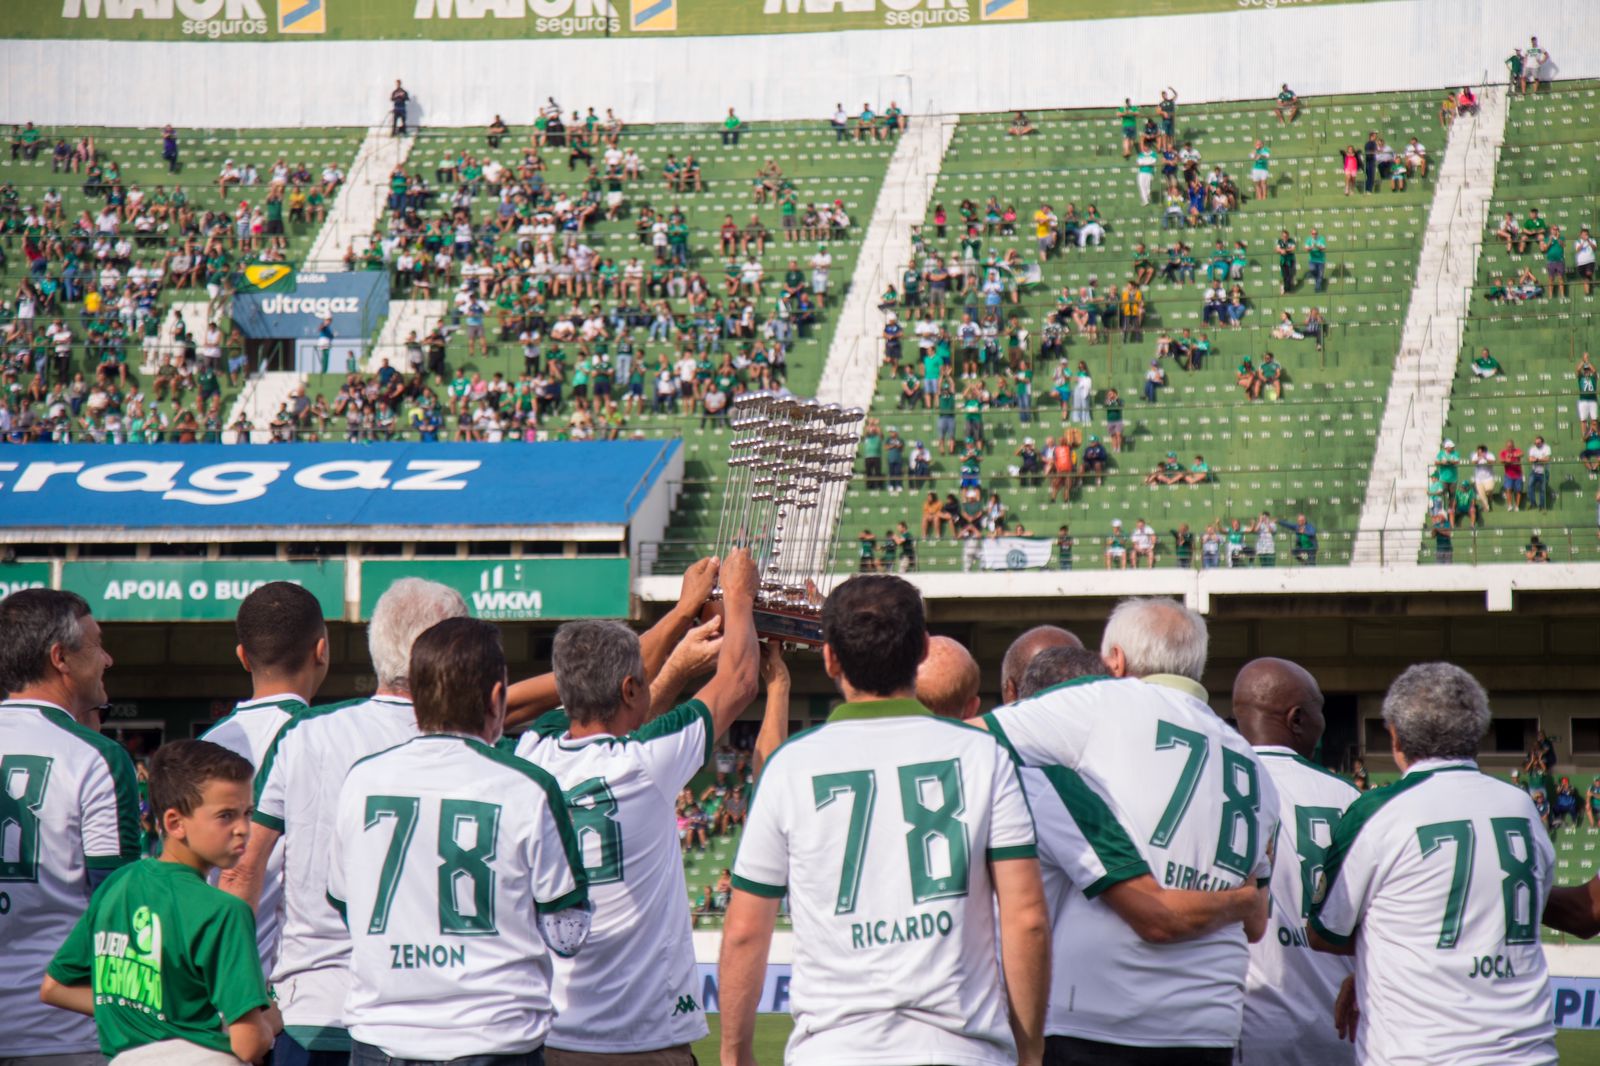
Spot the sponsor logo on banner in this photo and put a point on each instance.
(562, 17)
(1003, 10)
(302, 16)
(199, 18)
(895, 12)
(194, 591)
(654, 16)
(514, 590)
(1577, 1002)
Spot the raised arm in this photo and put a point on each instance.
(775, 716)
(528, 699)
(733, 686)
(695, 654)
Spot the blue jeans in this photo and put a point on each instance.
(1318, 272)
(1539, 490)
(367, 1055)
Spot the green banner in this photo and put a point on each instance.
(14, 577)
(197, 591)
(370, 20)
(510, 590)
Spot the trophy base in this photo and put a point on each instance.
(791, 627)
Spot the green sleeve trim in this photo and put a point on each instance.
(1355, 818)
(124, 780)
(1116, 851)
(551, 723)
(1116, 877)
(1338, 940)
(1000, 734)
(576, 898)
(677, 720)
(271, 757)
(269, 821)
(555, 800)
(106, 862)
(759, 888)
(1015, 851)
(338, 904)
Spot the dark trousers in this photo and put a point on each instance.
(286, 1051)
(398, 126)
(367, 1055)
(1318, 272)
(1539, 490)
(1071, 1051)
(1372, 173)
(874, 473)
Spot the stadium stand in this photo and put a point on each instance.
(102, 238)
(1536, 335)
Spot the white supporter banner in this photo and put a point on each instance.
(1016, 553)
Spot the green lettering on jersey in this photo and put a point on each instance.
(23, 780)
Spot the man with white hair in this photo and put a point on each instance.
(1156, 785)
(1436, 885)
(297, 786)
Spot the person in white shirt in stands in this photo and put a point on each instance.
(934, 953)
(1583, 257)
(71, 811)
(1290, 989)
(1416, 157)
(1190, 803)
(456, 872)
(633, 991)
(283, 646)
(1436, 885)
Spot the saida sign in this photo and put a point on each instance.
(514, 590)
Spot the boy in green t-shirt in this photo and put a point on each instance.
(165, 963)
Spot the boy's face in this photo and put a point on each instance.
(219, 828)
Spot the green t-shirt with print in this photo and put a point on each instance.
(169, 958)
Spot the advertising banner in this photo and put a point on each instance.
(774, 992)
(218, 486)
(194, 591)
(444, 20)
(355, 300)
(1577, 1002)
(14, 577)
(513, 590)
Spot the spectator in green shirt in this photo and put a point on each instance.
(1317, 260)
(1486, 366)
(161, 957)
(730, 129)
(1534, 228)
(1555, 262)
(1446, 462)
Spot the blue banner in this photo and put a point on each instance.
(774, 990)
(356, 301)
(419, 485)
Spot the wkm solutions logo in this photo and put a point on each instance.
(502, 600)
(302, 16)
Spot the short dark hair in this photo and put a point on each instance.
(878, 632)
(180, 770)
(455, 665)
(32, 621)
(279, 625)
(1055, 666)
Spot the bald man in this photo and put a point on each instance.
(1022, 652)
(947, 680)
(1290, 989)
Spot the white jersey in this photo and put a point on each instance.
(1185, 790)
(69, 804)
(446, 851)
(1290, 989)
(296, 790)
(249, 731)
(880, 826)
(632, 987)
(1445, 874)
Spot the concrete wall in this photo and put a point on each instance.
(1406, 44)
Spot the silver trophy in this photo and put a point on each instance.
(789, 465)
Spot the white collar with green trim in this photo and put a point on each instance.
(36, 705)
(1428, 766)
(276, 700)
(1187, 686)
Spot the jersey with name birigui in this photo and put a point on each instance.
(69, 804)
(249, 732)
(880, 826)
(1290, 989)
(445, 853)
(632, 987)
(1445, 874)
(1190, 795)
(297, 787)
